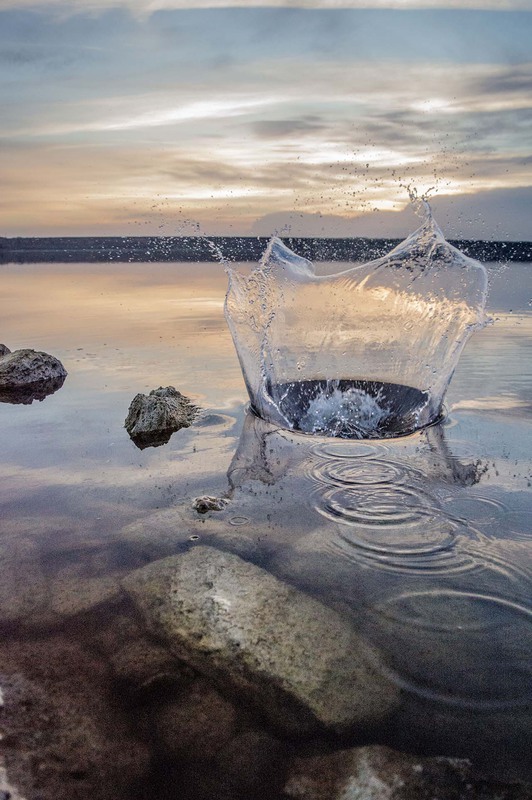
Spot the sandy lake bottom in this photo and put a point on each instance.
(418, 549)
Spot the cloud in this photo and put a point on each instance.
(151, 6)
(228, 116)
(494, 215)
(275, 128)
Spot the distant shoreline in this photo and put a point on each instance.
(101, 249)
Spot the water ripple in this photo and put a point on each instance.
(378, 505)
(492, 636)
(431, 548)
(366, 471)
(349, 449)
(478, 507)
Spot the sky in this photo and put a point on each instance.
(147, 117)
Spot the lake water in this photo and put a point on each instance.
(423, 542)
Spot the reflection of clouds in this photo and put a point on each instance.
(493, 403)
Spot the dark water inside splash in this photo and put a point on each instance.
(423, 541)
(350, 409)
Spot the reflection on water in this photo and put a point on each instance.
(404, 536)
(422, 542)
(26, 395)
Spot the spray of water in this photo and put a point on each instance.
(367, 352)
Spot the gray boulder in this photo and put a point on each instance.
(378, 773)
(301, 662)
(27, 375)
(153, 418)
(4, 350)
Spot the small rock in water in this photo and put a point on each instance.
(207, 503)
(27, 375)
(153, 418)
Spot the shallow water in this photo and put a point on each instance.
(423, 542)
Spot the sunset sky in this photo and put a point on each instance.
(142, 117)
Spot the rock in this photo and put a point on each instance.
(72, 594)
(63, 736)
(7, 792)
(301, 662)
(166, 532)
(153, 418)
(194, 727)
(378, 773)
(23, 588)
(4, 350)
(159, 534)
(207, 503)
(251, 760)
(27, 375)
(140, 664)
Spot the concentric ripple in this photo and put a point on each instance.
(476, 648)
(384, 517)
(376, 505)
(366, 471)
(478, 507)
(431, 547)
(349, 449)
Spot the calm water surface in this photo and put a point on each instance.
(425, 542)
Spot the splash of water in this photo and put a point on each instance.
(352, 412)
(365, 353)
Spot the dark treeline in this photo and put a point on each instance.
(244, 248)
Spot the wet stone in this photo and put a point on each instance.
(166, 532)
(23, 588)
(207, 503)
(7, 791)
(379, 773)
(153, 418)
(194, 727)
(159, 534)
(62, 738)
(27, 375)
(252, 760)
(72, 594)
(301, 662)
(140, 664)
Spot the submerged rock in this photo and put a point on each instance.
(7, 791)
(23, 588)
(153, 418)
(252, 761)
(62, 736)
(301, 662)
(378, 773)
(195, 727)
(28, 375)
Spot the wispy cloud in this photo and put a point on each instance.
(230, 116)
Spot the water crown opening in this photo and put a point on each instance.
(365, 353)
